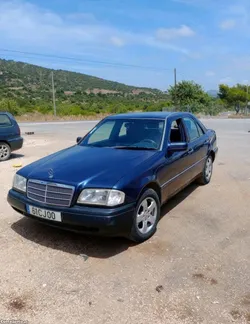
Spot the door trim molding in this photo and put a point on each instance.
(179, 174)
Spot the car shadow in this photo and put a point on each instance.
(79, 244)
(70, 242)
(16, 156)
(178, 199)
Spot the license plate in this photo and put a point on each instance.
(44, 213)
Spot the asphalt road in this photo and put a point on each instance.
(195, 270)
(220, 125)
(77, 128)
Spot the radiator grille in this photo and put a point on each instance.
(54, 194)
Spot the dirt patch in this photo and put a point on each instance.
(159, 247)
(239, 116)
(17, 304)
(198, 276)
(159, 288)
(235, 314)
(213, 281)
(246, 300)
(201, 276)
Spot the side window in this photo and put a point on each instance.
(4, 121)
(102, 133)
(200, 130)
(123, 130)
(192, 128)
(176, 133)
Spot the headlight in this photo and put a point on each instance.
(106, 197)
(19, 183)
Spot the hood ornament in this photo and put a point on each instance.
(51, 173)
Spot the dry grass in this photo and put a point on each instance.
(37, 117)
(239, 116)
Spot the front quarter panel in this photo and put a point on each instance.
(212, 141)
(134, 182)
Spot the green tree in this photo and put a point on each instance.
(233, 95)
(9, 105)
(223, 91)
(189, 93)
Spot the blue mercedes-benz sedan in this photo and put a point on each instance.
(115, 179)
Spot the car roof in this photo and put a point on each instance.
(150, 115)
(6, 113)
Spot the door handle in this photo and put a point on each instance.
(190, 151)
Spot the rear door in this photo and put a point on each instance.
(197, 145)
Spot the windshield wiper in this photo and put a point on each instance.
(134, 148)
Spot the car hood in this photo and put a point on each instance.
(86, 166)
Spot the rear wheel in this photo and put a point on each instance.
(146, 216)
(4, 151)
(207, 171)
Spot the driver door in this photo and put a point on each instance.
(175, 174)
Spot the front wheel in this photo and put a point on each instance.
(207, 171)
(146, 216)
(4, 151)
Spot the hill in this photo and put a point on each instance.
(213, 93)
(27, 88)
(25, 77)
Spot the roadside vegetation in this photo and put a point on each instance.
(25, 89)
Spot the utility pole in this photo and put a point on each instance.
(53, 94)
(247, 101)
(175, 88)
(40, 77)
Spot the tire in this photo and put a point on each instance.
(5, 151)
(207, 172)
(146, 217)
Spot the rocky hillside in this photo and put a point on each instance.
(19, 79)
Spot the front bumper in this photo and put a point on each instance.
(85, 219)
(216, 151)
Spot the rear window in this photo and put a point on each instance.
(4, 120)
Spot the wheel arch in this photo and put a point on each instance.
(212, 153)
(152, 185)
(4, 141)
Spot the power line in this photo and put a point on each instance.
(75, 59)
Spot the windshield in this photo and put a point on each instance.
(126, 134)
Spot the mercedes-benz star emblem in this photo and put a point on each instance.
(51, 173)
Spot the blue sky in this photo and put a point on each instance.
(206, 40)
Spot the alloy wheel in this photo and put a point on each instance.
(4, 151)
(146, 215)
(208, 168)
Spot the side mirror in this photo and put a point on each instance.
(177, 147)
(78, 139)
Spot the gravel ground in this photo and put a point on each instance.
(196, 269)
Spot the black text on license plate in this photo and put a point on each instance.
(44, 213)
